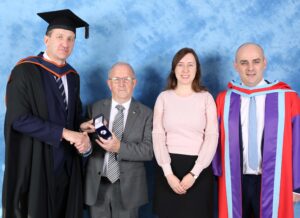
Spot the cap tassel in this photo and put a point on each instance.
(87, 30)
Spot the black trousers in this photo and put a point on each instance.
(251, 187)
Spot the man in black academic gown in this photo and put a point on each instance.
(43, 177)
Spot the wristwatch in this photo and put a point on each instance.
(195, 177)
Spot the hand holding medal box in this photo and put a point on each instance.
(101, 129)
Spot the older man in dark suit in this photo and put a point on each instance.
(115, 177)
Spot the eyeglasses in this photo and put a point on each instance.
(119, 79)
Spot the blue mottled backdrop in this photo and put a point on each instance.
(147, 34)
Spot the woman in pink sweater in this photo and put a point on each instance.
(185, 137)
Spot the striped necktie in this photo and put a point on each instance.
(61, 89)
(113, 167)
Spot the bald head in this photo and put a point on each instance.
(249, 45)
(250, 63)
(121, 65)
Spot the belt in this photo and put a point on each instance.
(105, 180)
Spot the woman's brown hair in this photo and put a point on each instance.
(172, 80)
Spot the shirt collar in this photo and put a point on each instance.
(45, 55)
(125, 105)
(262, 82)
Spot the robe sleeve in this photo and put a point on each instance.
(217, 163)
(296, 144)
(19, 102)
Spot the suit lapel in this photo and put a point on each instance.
(106, 109)
(133, 113)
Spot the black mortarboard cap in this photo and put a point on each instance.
(64, 19)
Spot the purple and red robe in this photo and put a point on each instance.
(280, 150)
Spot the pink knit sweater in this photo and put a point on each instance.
(185, 125)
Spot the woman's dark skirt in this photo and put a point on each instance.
(196, 203)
